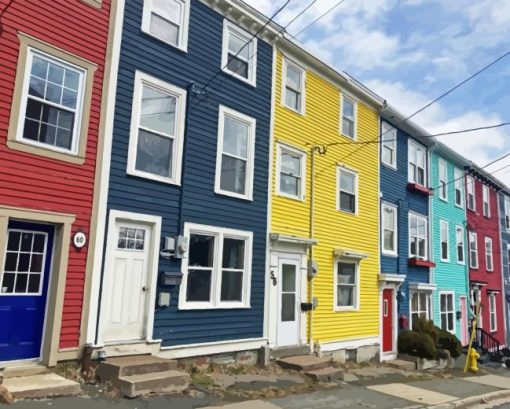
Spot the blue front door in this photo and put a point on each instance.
(23, 289)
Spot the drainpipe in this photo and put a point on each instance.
(310, 250)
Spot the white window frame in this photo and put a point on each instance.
(486, 200)
(428, 305)
(215, 303)
(142, 79)
(489, 253)
(470, 185)
(229, 27)
(250, 161)
(79, 111)
(356, 292)
(356, 189)
(284, 148)
(182, 44)
(389, 140)
(444, 224)
(419, 216)
(447, 312)
(473, 238)
(458, 177)
(394, 252)
(506, 201)
(463, 243)
(354, 101)
(297, 67)
(443, 180)
(412, 144)
(508, 261)
(493, 312)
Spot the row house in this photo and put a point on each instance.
(504, 217)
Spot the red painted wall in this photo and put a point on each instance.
(35, 182)
(487, 227)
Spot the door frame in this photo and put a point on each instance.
(389, 282)
(464, 319)
(299, 293)
(154, 222)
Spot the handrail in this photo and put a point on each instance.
(488, 344)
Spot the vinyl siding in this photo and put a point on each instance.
(505, 241)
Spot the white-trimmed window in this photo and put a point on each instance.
(470, 188)
(347, 190)
(389, 145)
(418, 238)
(217, 268)
(508, 258)
(51, 103)
(443, 180)
(291, 165)
(239, 56)
(167, 20)
(459, 237)
(346, 285)
(157, 130)
(420, 306)
(447, 311)
(473, 250)
(493, 312)
(236, 152)
(294, 80)
(348, 116)
(417, 163)
(486, 201)
(445, 241)
(459, 193)
(507, 211)
(489, 257)
(389, 229)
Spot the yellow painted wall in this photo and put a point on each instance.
(333, 228)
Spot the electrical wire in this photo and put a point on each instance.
(300, 14)
(318, 18)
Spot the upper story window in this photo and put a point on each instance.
(459, 236)
(418, 236)
(239, 56)
(348, 117)
(294, 87)
(507, 212)
(470, 188)
(459, 191)
(167, 20)
(417, 163)
(389, 145)
(157, 130)
(445, 241)
(489, 260)
(291, 165)
(486, 201)
(347, 285)
(235, 156)
(492, 312)
(473, 250)
(348, 190)
(508, 258)
(389, 229)
(443, 180)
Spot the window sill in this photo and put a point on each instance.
(285, 196)
(388, 254)
(251, 83)
(149, 176)
(247, 198)
(93, 3)
(347, 212)
(346, 309)
(46, 152)
(444, 200)
(183, 48)
(417, 188)
(209, 306)
(389, 166)
(352, 139)
(418, 262)
(300, 113)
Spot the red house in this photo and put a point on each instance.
(51, 93)
(484, 250)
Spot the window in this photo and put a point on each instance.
(459, 199)
(236, 144)
(24, 263)
(239, 56)
(473, 250)
(445, 242)
(508, 258)
(348, 187)
(157, 130)
(291, 172)
(389, 229)
(294, 87)
(348, 120)
(417, 236)
(507, 212)
(486, 201)
(417, 163)
(167, 20)
(443, 177)
(447, 312)
(459, 234)
(347, 286)
(420, 306)
(389, 145)
(492, 312)
(489, 261)
(131, 239)
(470, 187)
(216, 269)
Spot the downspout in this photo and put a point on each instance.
(431, 215)
(310, 250)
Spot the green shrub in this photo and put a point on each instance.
(448, 341)
(418, 344)
(427, 327)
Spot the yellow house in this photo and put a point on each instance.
(323, 292)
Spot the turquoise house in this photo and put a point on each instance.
(449, 242)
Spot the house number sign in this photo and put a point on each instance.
(79, 240)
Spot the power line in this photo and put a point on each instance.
(300, 14)
(318, 18)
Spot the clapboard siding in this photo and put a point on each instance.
(505, 242)
(200, 204)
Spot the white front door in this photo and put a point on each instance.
(289, 300)
(127, 298)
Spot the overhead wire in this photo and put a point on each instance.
(318, 18)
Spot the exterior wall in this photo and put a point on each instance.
(333, 228)
(505, 242)
(30, 181)
(195, 200)
(448, 275)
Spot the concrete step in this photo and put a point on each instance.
(18, 371)
(328, 374)
(304, 363)
(402, 364)
(41, 386)
(159, 382)
(285, 352)
(114, 368)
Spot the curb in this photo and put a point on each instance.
(475, 400)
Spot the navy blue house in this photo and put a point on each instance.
(185, 247)
(504, 215)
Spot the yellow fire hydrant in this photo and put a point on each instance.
(473, 360)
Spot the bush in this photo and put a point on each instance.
(448, 341)
(427, 327)
(417, 344)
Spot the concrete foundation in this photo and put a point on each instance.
(366, 353)
(248, 358)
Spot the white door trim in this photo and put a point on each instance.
(152, 270)
(395, 286)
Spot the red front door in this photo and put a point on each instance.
(387, 319)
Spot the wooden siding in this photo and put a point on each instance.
(34, 182)
(505, 270)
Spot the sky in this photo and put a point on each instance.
(411, 51)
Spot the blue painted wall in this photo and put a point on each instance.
(200, 204)
(505, 241)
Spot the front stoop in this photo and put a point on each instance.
(42, 385)
(402, 364)
(328, 374)
(142, 374)
(304, 363)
